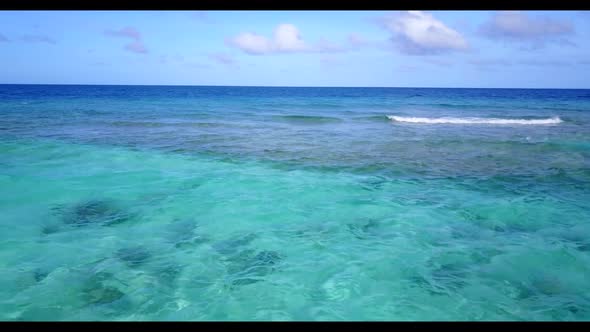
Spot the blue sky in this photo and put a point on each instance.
(297, 48)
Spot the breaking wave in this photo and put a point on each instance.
(448, 120)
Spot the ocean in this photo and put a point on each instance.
(295, 204)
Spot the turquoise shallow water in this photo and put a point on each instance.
(203, 203)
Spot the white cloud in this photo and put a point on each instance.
(518, 27)
(251, 43)
(286, 39)
(136, 45)
(419, 33)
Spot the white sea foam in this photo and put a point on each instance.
(553, 120)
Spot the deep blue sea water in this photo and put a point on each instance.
(270, 203)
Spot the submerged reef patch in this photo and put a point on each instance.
(249, 268)
(95, 211)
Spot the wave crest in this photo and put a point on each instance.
(553, 120)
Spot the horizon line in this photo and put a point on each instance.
(295, 86)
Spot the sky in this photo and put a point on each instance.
(488, 49)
